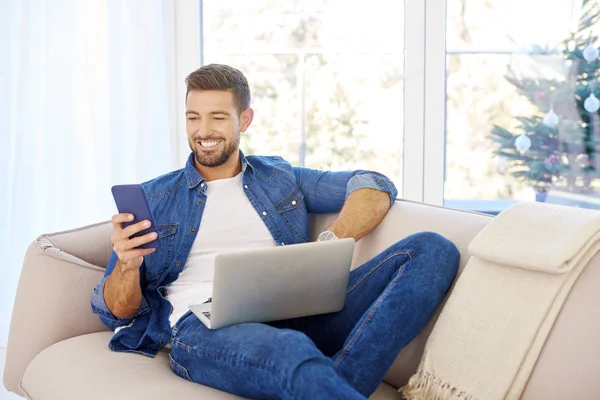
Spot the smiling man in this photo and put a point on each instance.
(221, 201)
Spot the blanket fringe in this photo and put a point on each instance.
(426, 386)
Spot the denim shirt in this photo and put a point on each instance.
(281, 194)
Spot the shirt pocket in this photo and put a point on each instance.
(160, 260)
(292, 209)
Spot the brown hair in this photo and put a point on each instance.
(221, 77)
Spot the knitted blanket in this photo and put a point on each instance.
(491, 331)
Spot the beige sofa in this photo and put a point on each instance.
(57, 348)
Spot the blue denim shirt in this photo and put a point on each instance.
(281, 194)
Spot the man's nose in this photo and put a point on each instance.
(204, 128)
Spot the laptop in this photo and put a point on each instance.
(271, 284)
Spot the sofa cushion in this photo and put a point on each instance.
(84, 368)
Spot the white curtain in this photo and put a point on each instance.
(85, 104)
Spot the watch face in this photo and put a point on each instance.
(327, 235)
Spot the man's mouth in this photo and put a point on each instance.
(209, 143)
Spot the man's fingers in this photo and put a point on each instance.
(131, 254)
(138, 241)
(122, 217)
(121, 246)
(135, 228)
(117, 220)
(125, 247)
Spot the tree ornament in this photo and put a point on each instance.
(523, 143)
(539, 96)
(551, 119)
(590, 53)
(591, 104)
(500, 164)
(582, 161)
(552, 164)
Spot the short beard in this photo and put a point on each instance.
(215, 160)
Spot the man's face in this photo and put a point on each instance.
(213, 126)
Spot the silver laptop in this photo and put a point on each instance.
(262, 285)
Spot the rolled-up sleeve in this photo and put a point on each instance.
(100, 308)
(326, 191)
(372, 180)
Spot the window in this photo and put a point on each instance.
(327, 78)
(521, 103)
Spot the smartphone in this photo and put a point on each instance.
(132, 199)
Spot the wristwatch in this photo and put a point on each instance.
(326, 236)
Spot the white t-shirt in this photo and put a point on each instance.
(229, 223)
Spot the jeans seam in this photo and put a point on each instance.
(346, 348)
(217, 355)
(409, 253)
(185, 346)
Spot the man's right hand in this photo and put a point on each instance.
(124, 246)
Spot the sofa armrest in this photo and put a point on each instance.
(52, 304)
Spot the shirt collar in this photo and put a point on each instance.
(194, 178)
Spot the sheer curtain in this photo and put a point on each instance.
(85, 103)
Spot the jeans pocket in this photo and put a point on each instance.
(179, 369)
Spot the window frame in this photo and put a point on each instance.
(435, 102)
(184, 28)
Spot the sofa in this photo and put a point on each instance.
(57, 349)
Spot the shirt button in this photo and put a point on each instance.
(245, 186)
(283, 243)
(178, 264)
(294, 202)
(202, 185)
(192, 230)
(160, 342)
(379, 181)
(101, 312)
(264, 213)
(199, 201)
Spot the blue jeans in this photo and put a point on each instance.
(342, 355)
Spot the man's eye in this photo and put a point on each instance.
(219, 118)
(192, 118)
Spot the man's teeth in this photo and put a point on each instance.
(209, 144)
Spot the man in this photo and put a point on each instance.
(223, 200)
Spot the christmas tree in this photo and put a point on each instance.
(558, 147)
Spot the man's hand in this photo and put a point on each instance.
(122, 291)
(129, 256)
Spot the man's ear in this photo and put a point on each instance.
(246, 119)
